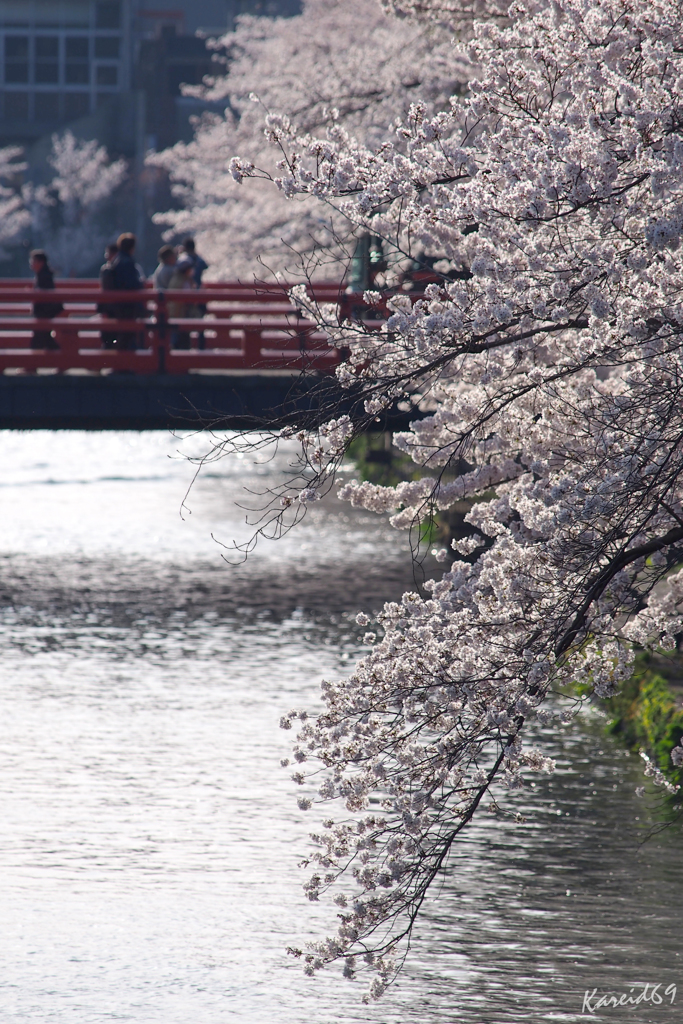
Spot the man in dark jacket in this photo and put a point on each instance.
(199, 265)
(107, 285)
(111, 251)
(126, 277)
(44, 279)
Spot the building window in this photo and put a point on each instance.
(107, 46)
(74, 13)
(47, 60)
(46, 106)
(16, 59)
(16, 106)
(106, 75)
(77, 67)
(108, 14)
(76, 104)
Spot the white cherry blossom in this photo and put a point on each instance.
(66, 214)
(14, 216)
(546, 361)
(340, 63)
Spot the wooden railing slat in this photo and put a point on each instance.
(247, 327)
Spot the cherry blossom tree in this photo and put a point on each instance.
(14, 217)
(546, 360)
(66, 215)
(458, 14)
(341, 62)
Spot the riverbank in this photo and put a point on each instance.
(647, 713)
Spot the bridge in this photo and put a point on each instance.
(253, 360)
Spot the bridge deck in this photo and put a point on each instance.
(243, 329)
(252, 359)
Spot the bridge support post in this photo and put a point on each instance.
(160, 331)
(252, 346)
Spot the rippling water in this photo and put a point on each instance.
(148, 837)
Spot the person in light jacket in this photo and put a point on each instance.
(183, 280)
(166, 269)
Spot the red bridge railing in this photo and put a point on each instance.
(246, 327)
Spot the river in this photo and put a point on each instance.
(149, 838)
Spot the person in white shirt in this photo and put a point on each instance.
(182, 279)
(166, 269)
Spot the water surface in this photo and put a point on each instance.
(149, 839)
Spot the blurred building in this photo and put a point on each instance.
(114, 67)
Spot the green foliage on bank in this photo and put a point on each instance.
(378, 461)
(647, 713)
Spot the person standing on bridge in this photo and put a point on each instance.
(127, 277)
(107, 285)
(199, 265)
(44, 279)
(183, 279)
(166, 269)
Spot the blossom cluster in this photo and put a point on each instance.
(64, 215)
(545, 358)
(283, 76)
(13, 214)
(658, 778)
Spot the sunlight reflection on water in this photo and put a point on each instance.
(148, 837)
